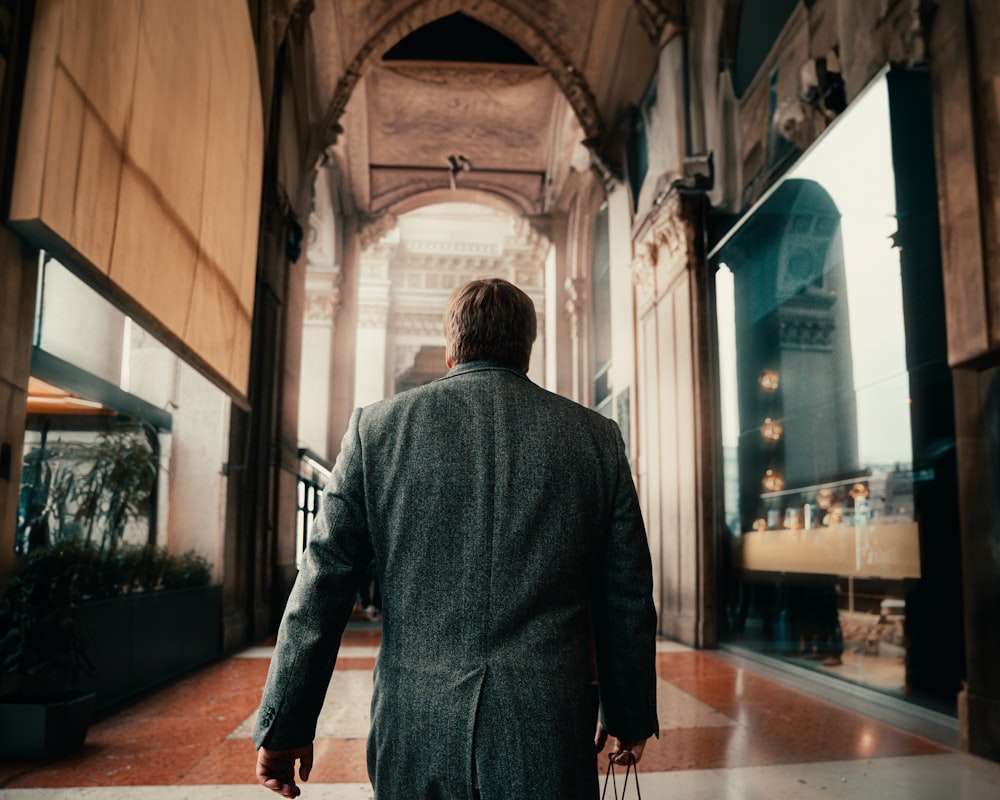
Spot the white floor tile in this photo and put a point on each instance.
(348, 651)
(663, 646)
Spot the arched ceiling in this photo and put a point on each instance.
(400, 127)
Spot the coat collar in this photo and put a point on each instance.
(481, 366)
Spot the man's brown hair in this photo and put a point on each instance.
(490, 320)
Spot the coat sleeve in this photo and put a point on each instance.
(319, 606)
(623, 615)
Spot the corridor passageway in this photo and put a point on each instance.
(762, 236)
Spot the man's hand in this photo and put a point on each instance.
(276, 769)
(620, 750)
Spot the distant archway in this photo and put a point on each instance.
(432, 197)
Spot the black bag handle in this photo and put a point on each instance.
(630, 767)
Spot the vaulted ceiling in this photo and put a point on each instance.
(484, 100)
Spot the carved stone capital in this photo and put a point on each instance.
(643, 270)
(670, 239)
(373, 315)
(664, 244)
(322, 303)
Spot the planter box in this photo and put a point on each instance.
(139, 641)
(36, 729)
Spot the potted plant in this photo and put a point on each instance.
(76, 502)
(44, 709)
(95, 612)
(89, 490)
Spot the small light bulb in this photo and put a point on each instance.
(772, 482)
(769, 380)
(772, 431)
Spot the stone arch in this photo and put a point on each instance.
(483, 192)
(498, 16)
(432, 197)
(539, 224)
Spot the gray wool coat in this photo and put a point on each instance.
(511, 556)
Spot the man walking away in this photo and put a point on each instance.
(510, 551)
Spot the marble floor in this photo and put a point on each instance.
(727, 732)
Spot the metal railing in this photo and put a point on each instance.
(314, 472)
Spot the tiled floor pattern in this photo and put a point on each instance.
(726, 733)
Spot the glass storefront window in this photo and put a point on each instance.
(837, 425)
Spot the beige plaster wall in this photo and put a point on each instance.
(196, 483)
(139, 163)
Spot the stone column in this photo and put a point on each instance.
(572, 234)
(373, 319)
(676, 419)
(343, 352)
(577, 310)
(323, 298)
(965, 62)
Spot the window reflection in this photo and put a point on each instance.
(817, 421)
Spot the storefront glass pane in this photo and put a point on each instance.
(829, 360)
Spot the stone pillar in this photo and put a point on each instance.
(344, 348)
(964, 66)
(322, 303)
(324, 278)
(286, 470)
(562, 354)
(677, 437)
(622, 376)
(373, 319)
(577, 309)
(572, 234)
(977, 440)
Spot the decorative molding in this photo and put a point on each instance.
(664, 244)
(418, 324)
(467, 76)
(443, 247)
(671, 239)
(806, 331)
(576, 304)
(658, 21)
(498, 16)
(312, 233)
(374, 267)
(373, 315)
(644, 280)
(373, 229)
(530, 238)
(450, 264)
(322, 305)
(907, 26)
